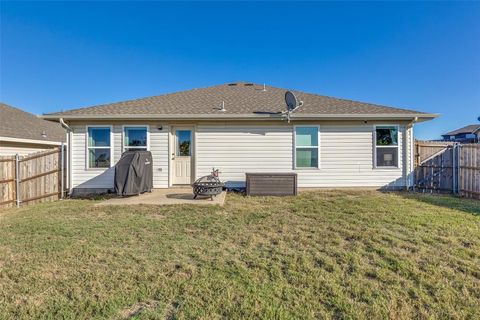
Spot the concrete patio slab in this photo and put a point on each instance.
(166, 197)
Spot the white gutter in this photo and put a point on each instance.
(32, 141)
(64, 124)
(273, 116)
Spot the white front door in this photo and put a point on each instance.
(182, 156)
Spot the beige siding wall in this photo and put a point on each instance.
(409, 155)
(103, 178)
(236, 149)
(346, 155)
(12, 148)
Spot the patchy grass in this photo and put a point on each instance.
(328, 254)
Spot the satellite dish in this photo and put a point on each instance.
(290, 100)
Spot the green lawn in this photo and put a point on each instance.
(326, 254)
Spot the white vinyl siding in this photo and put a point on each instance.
(346, 155)
(236, 149)
(103, 178)
(409, 167)
(158, 140)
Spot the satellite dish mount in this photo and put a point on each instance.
(292, 104)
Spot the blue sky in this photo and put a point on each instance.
(425, 56)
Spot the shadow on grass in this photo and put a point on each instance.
(470, 206)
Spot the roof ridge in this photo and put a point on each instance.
(145, 98)
(356, 101)
(460, 130)
(241, 98)
(29, 114)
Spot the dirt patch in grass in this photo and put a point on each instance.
(137, 308)
(327, 254)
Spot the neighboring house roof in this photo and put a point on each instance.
(18, 124)
(240, 99)
(473, 128)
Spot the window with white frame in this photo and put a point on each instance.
(135, 138)
(386, 146)
(306, 147)
(98, 147)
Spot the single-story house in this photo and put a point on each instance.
(467, 134)
(23, 133)
(241, 127)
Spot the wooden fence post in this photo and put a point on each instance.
(17, 180)
(417, 154)
(62, 168)
(460, 171)
(454, 169)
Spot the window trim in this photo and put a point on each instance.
(146, 126)
(389, 146)
(87, 148)
(311, 147)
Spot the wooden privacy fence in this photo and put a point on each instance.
(469, 170)
(33, 178)
(447, 167)
(426, 149)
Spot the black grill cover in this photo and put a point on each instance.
(134, 173)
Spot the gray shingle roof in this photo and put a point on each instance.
(467, 129)
(15, 123)
(241, 98)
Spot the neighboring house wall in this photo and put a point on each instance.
(8, 148)
(463, 137)
(346, 154)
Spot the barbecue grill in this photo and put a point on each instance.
(207, 186)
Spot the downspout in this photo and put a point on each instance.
(65, 125)
(408, 176)
(69, 153)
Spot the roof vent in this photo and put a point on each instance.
(232, 84)
(223, 107)
(44, 134)
(248, 84)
